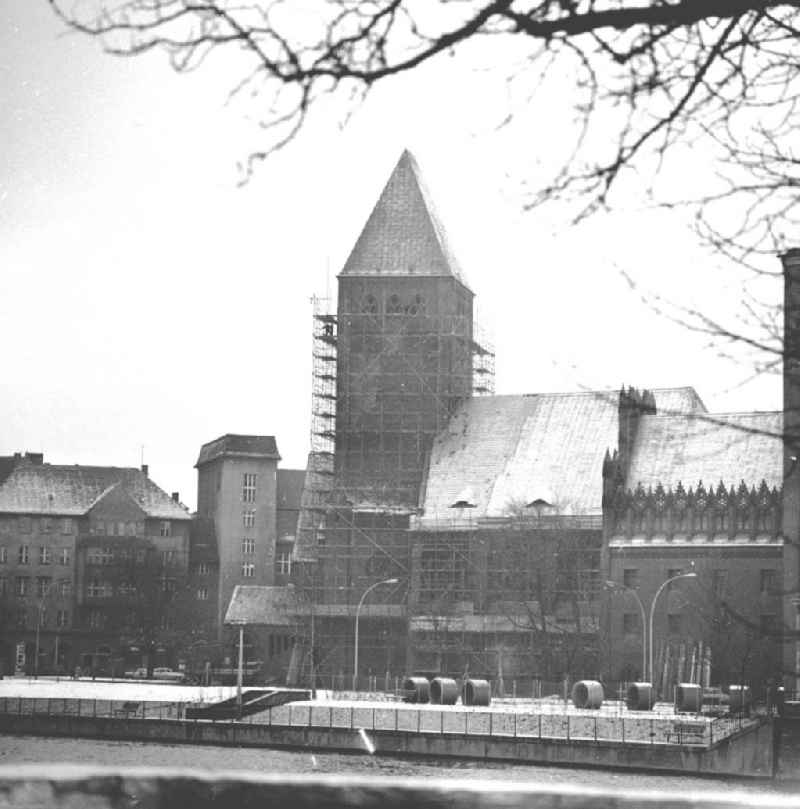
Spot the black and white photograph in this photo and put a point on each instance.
(400, 404)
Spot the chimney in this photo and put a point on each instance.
(35, 458)
(176, 497)
(631, 406)
(145, 469)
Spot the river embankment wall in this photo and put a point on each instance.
(747, 753)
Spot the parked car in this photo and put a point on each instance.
(164, 673)
(137, 674)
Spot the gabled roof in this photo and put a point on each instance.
(239, 446)
(511, 451)
(730, 447)
(262, 606)
(403, 235)
(73, 490)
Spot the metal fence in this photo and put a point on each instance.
(119, 709)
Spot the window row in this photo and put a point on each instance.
(395, 305)
(45, 525)
(107, 555)
(25, 618)
(44, 585)
(46, 555)
(768, 583)
(97, 619)
(99, 588)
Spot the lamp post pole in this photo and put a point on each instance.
(239, 671)
(358, 610)
(653, 610)
(624, 587)
(38, 627)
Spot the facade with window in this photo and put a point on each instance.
(67, 536)
(236, 492)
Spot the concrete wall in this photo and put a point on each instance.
(746, 754)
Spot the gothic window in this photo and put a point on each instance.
(394, 305)
(369, 306)
(417, 306)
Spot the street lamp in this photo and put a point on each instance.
(613, 585)
(45, 593)
(691, 575)
(358, 610)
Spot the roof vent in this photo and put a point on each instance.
(176, 497)
(145, 469)
(466, 499)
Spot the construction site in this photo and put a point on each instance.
(434, 592)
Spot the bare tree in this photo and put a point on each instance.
(648, 77)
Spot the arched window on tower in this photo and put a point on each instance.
(394, 305)
(369, 305)
(417, 306)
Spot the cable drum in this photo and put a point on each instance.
(587, 694)
(476, 692)
(640, 697)
(416, 690)
(444, 691)
(688, 698)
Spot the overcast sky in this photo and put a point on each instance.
(147, 300)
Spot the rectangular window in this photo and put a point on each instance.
(3, 554)
(141, 555)
(65, 588)
(22, 617)
(248, 547)
(630, 577)
(63, 556)
(168, 585)
(202, 593)
(44, 555)
(675, 624)
(42, 615)
(43, 585)
(25, 525)
(630, 623)
(96, 619)
(249, 518)
(769, 581)
(284, 563)
(66, 525)
(99, 589)
(249, 487)
(248, 570)
(21, 588)
(166, 528)
(3, 586)
(202, 569)
(47, 525)
(62, 618)
(719, 582)
(24, 555)
(167, 557)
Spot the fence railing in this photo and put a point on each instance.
(453, 720)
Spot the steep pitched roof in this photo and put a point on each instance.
(403, 235)
(514, 450)
(239, 446)
(73, 490)
(730, 447)
(262, 606)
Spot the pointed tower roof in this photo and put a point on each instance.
(403, 235)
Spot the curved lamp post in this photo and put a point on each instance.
(691, 575)
(613, 585)
(358, 610)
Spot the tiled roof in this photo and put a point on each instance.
(403, 235)
(729, 448)
(509, 451)
(239, 446)
(262, 606)
(73, 490)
